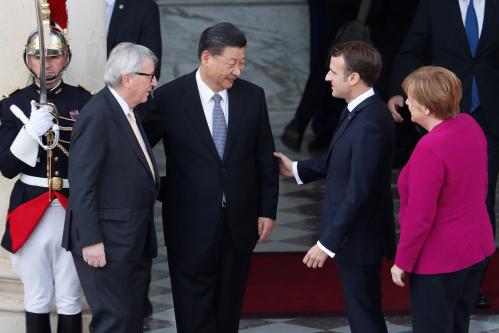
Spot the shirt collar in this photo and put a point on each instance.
(124, 106)
(110, 3)
(359, 99)
(205, 92)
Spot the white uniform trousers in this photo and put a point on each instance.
(47, 270)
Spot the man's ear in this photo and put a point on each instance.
(125, 80)
(205, 57)
(354, 78)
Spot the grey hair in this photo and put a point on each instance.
(126, 58)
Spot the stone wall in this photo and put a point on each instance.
(277, 53)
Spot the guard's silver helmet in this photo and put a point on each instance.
(56, 44)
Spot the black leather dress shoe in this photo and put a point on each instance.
(292, 136)
(482, 302)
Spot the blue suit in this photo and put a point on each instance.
(357, 213)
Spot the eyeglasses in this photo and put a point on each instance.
(151, 76)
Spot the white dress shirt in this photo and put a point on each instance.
(109, 12)
(479, 10)
(351, 106)
(207, 101)
(126, 110)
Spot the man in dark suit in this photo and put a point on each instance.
(221, 190)
(466, 41)
(357, 213)
(109, 225)
(134, 21)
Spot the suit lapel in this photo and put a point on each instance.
(489, 18)
(115, 22)
(455, 14)
(343, 126)
(236, 113)
(123, 125)
(194, 111)
(151, 154)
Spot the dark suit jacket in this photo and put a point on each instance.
(439, 26)
(196, 177)
(112, 189)
(136, 21)
(357, 213)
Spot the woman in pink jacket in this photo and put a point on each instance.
(445, 232)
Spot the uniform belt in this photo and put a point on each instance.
(43, 182)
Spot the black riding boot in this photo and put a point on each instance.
(69, 323)
(37, 322)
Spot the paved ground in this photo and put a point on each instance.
(296, 230)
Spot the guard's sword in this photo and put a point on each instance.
(43, 23)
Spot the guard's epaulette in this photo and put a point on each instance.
(7, 95)
(91, 92)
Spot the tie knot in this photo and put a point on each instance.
(471, 6)
(217, 98)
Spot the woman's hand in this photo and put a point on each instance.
(398, 275)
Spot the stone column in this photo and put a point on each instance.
(11, 289)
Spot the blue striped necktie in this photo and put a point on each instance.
(219, 126)
(471, 27)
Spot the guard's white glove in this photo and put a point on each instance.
(40, 120)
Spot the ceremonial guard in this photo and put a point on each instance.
(35, 129)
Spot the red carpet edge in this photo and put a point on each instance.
(281, 285)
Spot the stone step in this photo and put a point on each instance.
(11, 294)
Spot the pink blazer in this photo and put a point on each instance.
(444, 226)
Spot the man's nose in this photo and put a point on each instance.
(237, 71)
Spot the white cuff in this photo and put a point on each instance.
(329, 253)
(25, 148)
(295, 173)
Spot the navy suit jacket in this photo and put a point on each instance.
(136, 21)
(112, 189)
(438, 25)
(196, 177)
(357, 221)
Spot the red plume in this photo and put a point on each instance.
(59, 13)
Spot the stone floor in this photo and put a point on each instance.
(297, 224)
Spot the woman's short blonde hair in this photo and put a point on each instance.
(436, 88)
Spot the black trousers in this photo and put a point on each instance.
(442, 303)
(115, 295)
(361, 287)
(208, 289)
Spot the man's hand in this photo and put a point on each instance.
(398, 275)
(265, 226)
(94, 255)
(285, 165)
(315, 257)
(395, 103)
